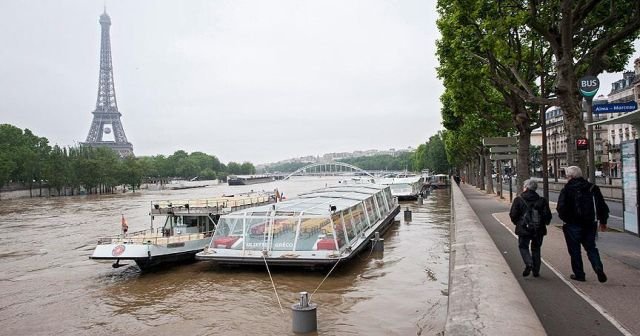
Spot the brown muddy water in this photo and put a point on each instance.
(48, 286)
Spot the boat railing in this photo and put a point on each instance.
(155, 237)
(216, 205)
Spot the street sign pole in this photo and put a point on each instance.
(592, 162)
(589, 86)
(543, 124)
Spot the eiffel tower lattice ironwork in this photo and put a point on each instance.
(106, 117)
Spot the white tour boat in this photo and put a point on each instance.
(318, 228)
(404, 186)
(187, 229)
(438, 181)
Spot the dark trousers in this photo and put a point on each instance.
(576, 235)
(530, 257)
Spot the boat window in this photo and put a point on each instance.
(388, 195)
(339, 229)
(311, 231)
(377, 207)
(382, 203)
(190, 221)
(284, 234)
(348, 224)
(228, 234)
(256, 236)
(358, 217)
(370, 212)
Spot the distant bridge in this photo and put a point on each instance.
(329, 168)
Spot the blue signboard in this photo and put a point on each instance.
(615, 108)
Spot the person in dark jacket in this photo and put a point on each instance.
(530, 243)
(582, 231)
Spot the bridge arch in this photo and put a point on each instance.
(329, 165)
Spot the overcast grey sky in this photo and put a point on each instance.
(252, 81)
(255, 81)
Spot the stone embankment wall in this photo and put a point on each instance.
(484, 296)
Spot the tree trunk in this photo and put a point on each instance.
(523, 163)
(489, 170)
(483, 173)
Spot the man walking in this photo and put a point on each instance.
(531, 215)
(579, 204)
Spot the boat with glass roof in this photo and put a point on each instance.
(318, 228)
(187, 229)
(404, 186)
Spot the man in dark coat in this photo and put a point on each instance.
(582, 231)
(529, 242)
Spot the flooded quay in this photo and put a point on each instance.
(49, 286)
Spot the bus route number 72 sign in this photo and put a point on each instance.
(582, 144)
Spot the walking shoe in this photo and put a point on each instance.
(601, 276)
(574, 277)
(536, 273)
(527, 271)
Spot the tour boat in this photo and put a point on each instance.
(187, 230)
(318, 228)
(404, 186)
(438, 181)
(248, 179)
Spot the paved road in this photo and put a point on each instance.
(560, 309)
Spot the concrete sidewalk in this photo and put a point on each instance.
(566, 307)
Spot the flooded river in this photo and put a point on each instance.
(48, 286)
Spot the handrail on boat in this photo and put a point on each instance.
(212, 204)
(154, 238)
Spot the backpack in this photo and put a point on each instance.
(531, 220)
(583, 202)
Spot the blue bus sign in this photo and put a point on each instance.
(588, 86)
(615, 108)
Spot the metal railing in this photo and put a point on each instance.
(213, 205)
(155, 237)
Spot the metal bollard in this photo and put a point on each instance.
(407, 215)
(377, 243)
(420, 200)
(304, 315)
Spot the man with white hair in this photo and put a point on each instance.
(579, 205)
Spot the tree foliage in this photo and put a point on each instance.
(401, 161)
(432, 156)
(26, 159)
(508, 49)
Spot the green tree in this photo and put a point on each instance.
(234, 168)
(247, 168)
(483, 42)
(56, 169)
(131, 172)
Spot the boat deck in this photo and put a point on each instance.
(217, 205)
(154, 238)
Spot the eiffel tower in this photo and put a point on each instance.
(106, 117)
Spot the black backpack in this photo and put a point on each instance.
(583, 202)
(531, 220)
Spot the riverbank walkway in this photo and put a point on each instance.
(566, 307)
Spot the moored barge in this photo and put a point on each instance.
(248, 179)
